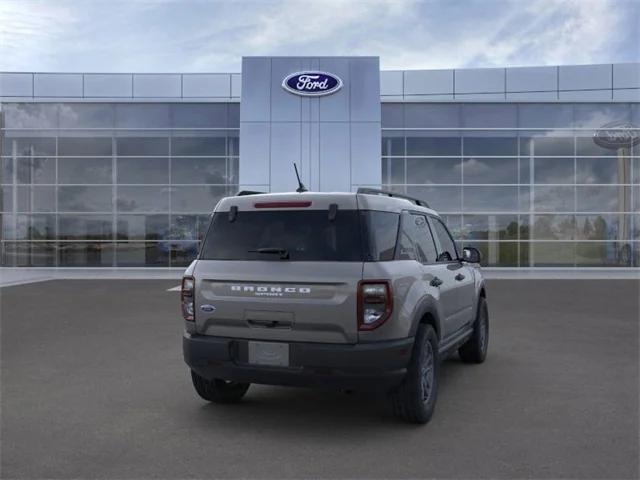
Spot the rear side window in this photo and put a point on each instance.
(415, 241)
(379, 231)
(447, 252)
(306, 235)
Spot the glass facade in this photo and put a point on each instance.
(526, 183)
(133, 184)
(113, 184)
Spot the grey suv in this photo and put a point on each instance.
(361, 290)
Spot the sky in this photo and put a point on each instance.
(212, 36)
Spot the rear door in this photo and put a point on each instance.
(281, 272)
(458, 285)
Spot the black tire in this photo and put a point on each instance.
(415, 399)
(474, 350)
(219, 391)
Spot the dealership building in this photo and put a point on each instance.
(534, 166)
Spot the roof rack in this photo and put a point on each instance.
(375, 191)
(243, 193)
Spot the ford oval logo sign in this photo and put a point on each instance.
(312, 83)
(616, 135)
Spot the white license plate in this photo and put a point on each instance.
(269, 353)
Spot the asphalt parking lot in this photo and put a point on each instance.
(93, 386)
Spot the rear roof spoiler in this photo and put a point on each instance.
(243, 193)
(386, 193)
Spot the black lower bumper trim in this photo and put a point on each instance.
(376, 365)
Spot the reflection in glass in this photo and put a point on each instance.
(85, 115)
(392, 144)
(432, 146)
(490, 146)
(442, 199)
(6, 198)
(490, 227)
(603, 254)
(30, 115)
(143, 227)
(553, 199)
(551, 254)
(143, 170)
(85, 254)
(198, 146)
(490, 199)
(85, 227)
(603, 198)
(546, 146)
(393, 171)
(496, 254)
(24, 254)
(196, 199)
(84, 199)
(142, 146)
(189, 227)
(490, 170)
(603, 226)
(142, 254)
(554, 227)
(29, 146)
(199, 170)
(183, 253)
(143, 199)
(434, 170)
(36, 170)
(142, 115)
(603, 170)
(200, 115)
(553, 170)
(36, 199)
(84, 170)
(85, 146)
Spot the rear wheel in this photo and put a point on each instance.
(217, 390)
(474, 350)
(415, 399)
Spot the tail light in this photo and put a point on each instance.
(375, 303)
(187, 298)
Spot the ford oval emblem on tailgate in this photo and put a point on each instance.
(207, 308)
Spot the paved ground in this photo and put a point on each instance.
(93, 386)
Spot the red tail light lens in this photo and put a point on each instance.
(375, 303)
(187, 298)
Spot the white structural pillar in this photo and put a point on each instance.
(335, 139)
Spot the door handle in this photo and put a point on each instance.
(459, 277)
(436, 282)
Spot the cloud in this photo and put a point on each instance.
(199, 35)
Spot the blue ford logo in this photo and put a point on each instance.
(207, 308)
(312, 84)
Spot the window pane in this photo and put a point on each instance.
(23, 254)
(189, 227)
(490, 170)
(393, 171)
(603, 198)
(635, 228)
(85, 254)
(554, 227)
(545, 116)
(183, 253)
(84, 170)
(604, 227)
(84, 199)
(199, 170)
(490, 199)
(6, 199)
(490, 227)
(392, 144)
(490, 146)
(143, 146)
(392, 115)
(597, 115)
(416, 242)
(603, 254)
(143, 199)
(431, 115)
(196, 199)
(496, 254)
(553, 170)
(29, 115)
(433, 146)
(28, 147)
(603, 170)
(141, 254)
(6, 170)
(36, 170)
(380, 230)
(200, 115)
(73, 115)
(489, 115)
(434, 170)
(85, 227)
(143, 227)
(546, 146)
(554, 199)
(98, 146)
(551, 254)
(454, 224)
(198, 146)
(586, 146)
(29, 227)
(142, 115)
(36, 199)
(442, 199)
(143, 170)
(447, 245)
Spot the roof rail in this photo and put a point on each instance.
(243, 193)
(375, 191)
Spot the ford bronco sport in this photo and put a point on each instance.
(349, 290)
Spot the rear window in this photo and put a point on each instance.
(309, 235)
(306, 235)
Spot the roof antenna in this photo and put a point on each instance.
(301, 188)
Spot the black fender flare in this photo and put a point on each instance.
(427, 305)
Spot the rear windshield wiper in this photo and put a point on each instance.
(283, 252)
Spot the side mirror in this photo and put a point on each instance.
(471, 255)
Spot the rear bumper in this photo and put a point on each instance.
(367, 366)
